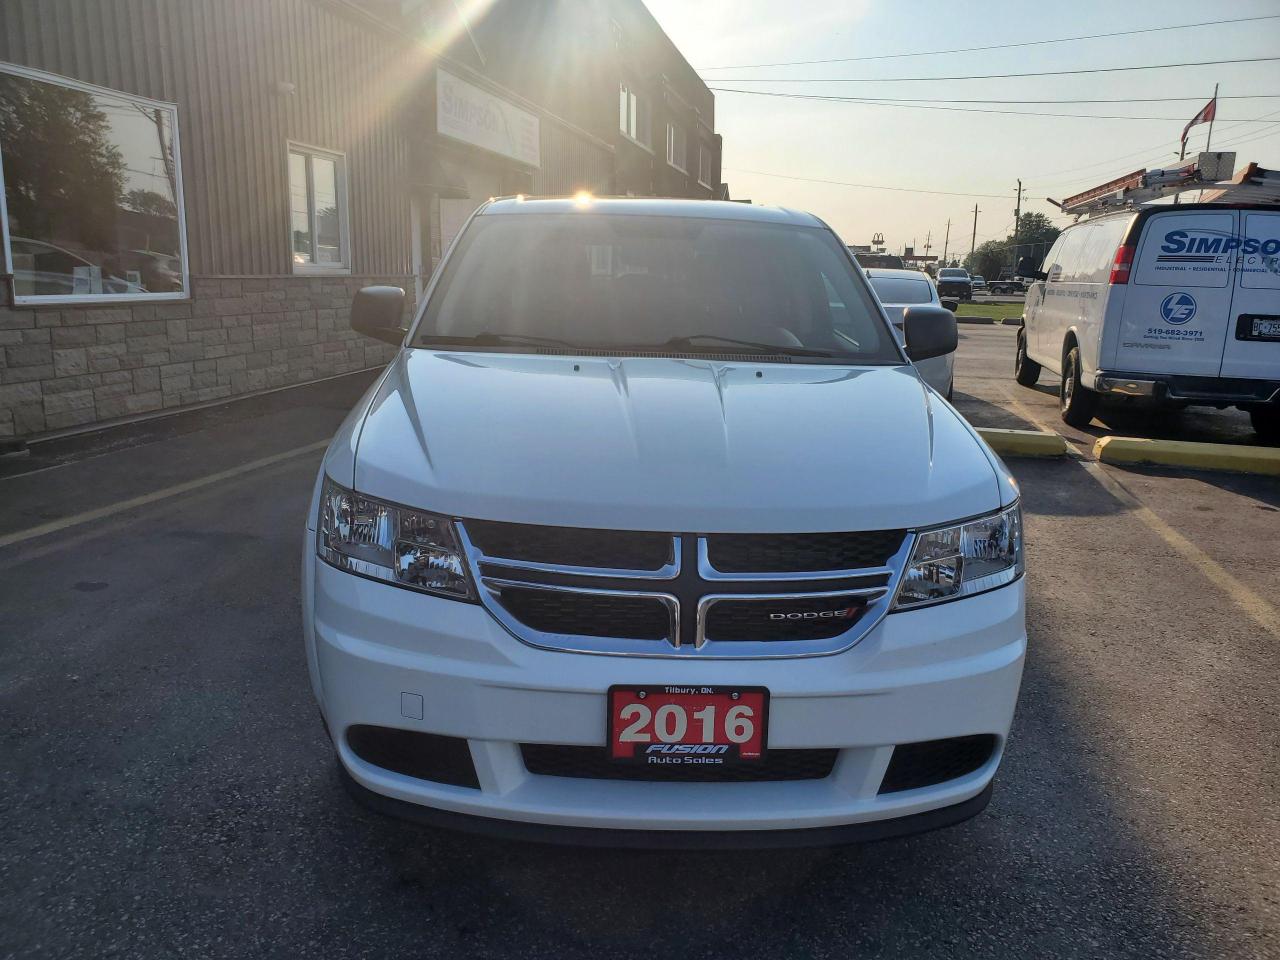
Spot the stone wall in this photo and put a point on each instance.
(70, 366)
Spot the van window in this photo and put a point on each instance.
(1066, 253)
(1098, 252)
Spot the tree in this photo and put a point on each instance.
(1036, 234)
(62, 174)
(150, 203)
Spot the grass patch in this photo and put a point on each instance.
(997, 310)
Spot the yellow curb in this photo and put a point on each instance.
(1024, 443)
(1183, 453)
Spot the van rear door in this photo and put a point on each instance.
(1178, 306)
(1253, 337)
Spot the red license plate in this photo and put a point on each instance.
(678, 725)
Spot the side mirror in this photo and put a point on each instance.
(376, 312)
(1039, 275)
(952, 305)
(930, 332)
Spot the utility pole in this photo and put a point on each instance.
(973, 243)
(946, 243)
(1017, 217)
(927, 245)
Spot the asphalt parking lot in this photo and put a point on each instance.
(166, 788)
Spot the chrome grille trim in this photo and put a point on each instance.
(669, 584)
(707, 571)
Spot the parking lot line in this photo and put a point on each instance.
(1250, 602)
(64, 523)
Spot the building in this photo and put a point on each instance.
(195, 190)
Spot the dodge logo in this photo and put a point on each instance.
(846, 613)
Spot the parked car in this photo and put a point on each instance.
(978, 283)
(955, 282)
(884, 261)
(899, 289)
(650, 533)
(1007, 284)
(1177, 306)
(44, 269)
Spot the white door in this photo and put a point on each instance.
(1056, 300)
(1253, 335)
(1178, 305)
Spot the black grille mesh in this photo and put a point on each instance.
(801, 552)
(593, 763)
(587, 614)
(426, 756)
(749, 620)
(572, 546)
(935, 761)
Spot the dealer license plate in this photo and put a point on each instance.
(687, 725)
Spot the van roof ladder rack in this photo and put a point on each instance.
(1209, 172)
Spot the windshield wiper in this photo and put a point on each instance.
(488, 338)
(767, 348)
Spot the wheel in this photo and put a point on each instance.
(1025, 370)
(1266, 423)
(1076, 402)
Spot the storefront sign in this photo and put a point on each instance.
(467, 113)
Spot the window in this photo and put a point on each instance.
(676, 147)
(317, 210)
(631, 282)
(92, 186)
(633, 114)
(704, 164)
(897, 290)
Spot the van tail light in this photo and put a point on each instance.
(1122, 264)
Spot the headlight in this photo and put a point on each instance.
(968, 558)
(408, 548)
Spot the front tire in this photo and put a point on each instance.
(1025, 370)
(1266, 423)
(1076, 402)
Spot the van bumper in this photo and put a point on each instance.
(1208, 391)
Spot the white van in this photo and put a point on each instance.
(1176, 304)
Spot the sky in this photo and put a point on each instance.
(967, 152)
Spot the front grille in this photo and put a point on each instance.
(593, 763)
(801, 552)
(750, 620)
(588, 614)
(572, 546)
(424, 756)
(932, 762)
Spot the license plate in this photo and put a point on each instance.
(1266, 327)
(686, 726)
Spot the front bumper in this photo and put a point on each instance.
(945, 671)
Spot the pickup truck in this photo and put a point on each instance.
(955, 282)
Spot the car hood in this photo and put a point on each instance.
(688, 445)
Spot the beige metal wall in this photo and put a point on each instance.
(228, 64)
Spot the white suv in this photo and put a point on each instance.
(651, 533)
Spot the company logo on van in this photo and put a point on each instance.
(1178, 308)
(1180, 246)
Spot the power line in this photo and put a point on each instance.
(868, 186)
(995, 76)
(921, 106)
(994, 46)
(1196, 98)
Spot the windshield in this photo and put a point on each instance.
(565, 282)
(902, 290)
(951, 272)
